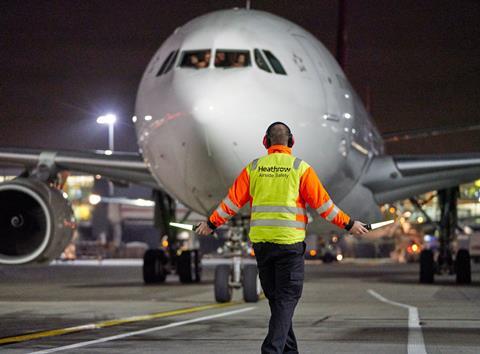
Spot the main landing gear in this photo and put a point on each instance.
(445, 264)
(180, 253)
(237, 274)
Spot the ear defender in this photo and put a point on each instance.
(266, 139)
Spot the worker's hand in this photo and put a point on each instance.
(358, 228)
(203, 229)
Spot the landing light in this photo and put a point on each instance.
(108, 152)
(134, 119)
(339, 257)
(147, 118)
(420, 219)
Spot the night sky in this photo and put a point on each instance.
(63, 63)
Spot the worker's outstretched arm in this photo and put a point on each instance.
(238, 195)
(313, 192)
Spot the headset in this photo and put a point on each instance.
(266, 139)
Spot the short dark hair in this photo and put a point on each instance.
(279, 134)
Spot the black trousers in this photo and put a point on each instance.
(281, 270)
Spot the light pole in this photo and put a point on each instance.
(109, 119)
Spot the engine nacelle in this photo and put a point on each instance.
(36, 222)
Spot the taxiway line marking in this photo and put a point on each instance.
(416, 345)
(109, 323)
(143, 331)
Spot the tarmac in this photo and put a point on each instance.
(354, 307)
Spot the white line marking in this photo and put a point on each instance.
(143, 331)
(415, 336)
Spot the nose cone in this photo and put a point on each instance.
(223, 110)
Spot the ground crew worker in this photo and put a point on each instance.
(278, 187)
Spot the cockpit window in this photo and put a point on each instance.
(232, 58)
(275, 63)
(165, 63)
(171, 62)
(260, 60)
(196, 59)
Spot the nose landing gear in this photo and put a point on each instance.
(237, 274)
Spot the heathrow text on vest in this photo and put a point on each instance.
(277, 171)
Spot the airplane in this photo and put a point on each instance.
(202, 107)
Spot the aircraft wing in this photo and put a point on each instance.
(120, 167)
(428, 132)
(392, 178)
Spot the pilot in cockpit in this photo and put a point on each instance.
(220, 59)
(240, 62)
(203, 63)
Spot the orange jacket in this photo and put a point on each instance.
(311, 192)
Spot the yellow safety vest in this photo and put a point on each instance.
(274, 188)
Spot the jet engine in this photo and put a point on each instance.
(36, 222)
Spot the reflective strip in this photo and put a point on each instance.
(254, 164)
(325, 206)
(332, 214)
(296, 163)
(222, 213)
(276, 222)
(230, 204)
(277, 209)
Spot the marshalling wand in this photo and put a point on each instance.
(373, 226)
(378, 224)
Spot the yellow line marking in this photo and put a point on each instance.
(109, 323)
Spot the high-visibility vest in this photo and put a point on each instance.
(277, 215)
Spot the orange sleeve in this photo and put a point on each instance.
(238, 195)
(313, 192)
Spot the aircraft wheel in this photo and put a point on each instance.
(463, 268)
(328, 258)
(223, 290)
(189, 268)
(251, 283)
(154, 271)
(427, 267)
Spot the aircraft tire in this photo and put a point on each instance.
(463, 267)
(189, 268)
(250, 283)
(154, 271)
(328, 258)
(427, 267)
(223, 290)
